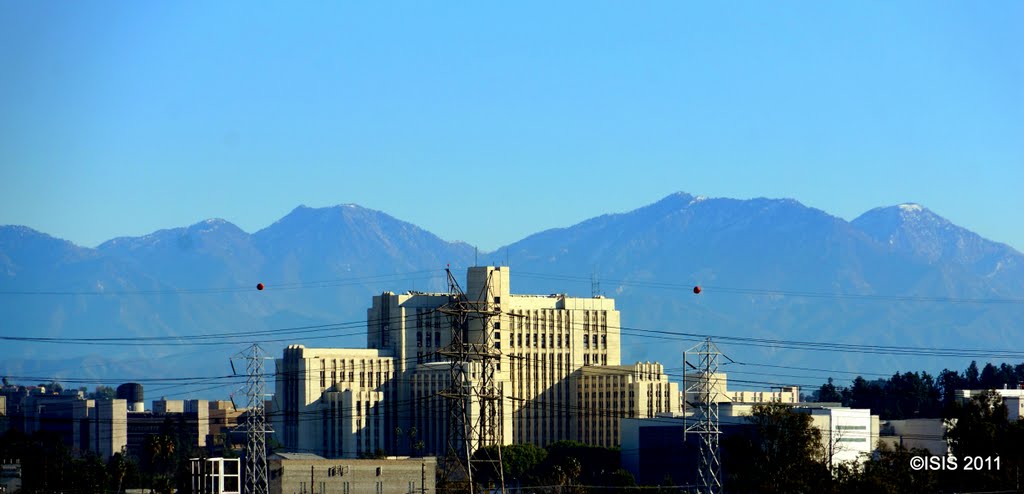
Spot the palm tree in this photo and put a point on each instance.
(118, 466)
(160, 450)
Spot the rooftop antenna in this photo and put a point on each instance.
(595, 284)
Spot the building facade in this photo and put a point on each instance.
(188, 419)
(335, 402)
(308, 473)
(557, 374)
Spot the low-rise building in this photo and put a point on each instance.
(216, 476)
(606, 394)
(928, 434)
(10, 476)
(305, 472)
(83, 425)
(190, 419)
(720, 392)
(224, 421)
(1012, 398)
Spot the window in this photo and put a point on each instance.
(586, 341)
(419, 339)
(497, 300)
(497, 325)
(851, 427)
(437, 338)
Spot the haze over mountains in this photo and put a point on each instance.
(770, 268)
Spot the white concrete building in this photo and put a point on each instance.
(1012, 398)
(847, 434)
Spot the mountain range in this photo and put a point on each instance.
(770, 270)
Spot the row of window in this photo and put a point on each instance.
(420, 340)
(375, 378)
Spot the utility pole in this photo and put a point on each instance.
(703, 389)
(474, 402)
(255, 479)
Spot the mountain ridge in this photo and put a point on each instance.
(322, 265)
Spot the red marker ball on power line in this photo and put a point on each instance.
(259, 286)
(696, 290)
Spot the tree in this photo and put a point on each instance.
(53, 386)
(828, 393)
(102, 393)
(866, 394)
(886, 473)
(779, 452)
(519, 463)
(990, 378)
(949, 381)
(971, 376)
(161, 454)
(117, 468)
(979, 428)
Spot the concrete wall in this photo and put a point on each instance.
(110, 427)
(918, 433)
(350, 476)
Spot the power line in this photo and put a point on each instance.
(270, 286)
(776, 291)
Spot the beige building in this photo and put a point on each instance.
(557, 372)
(720, 392)
(303, 472)
(334, 401)
(606, 394)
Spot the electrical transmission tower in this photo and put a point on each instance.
(702, 389)
(474, 401)
(255, 479)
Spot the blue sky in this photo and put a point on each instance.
(485, 123)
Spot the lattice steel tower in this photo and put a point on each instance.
(255, 479)
(473, 396)
(702, 389)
